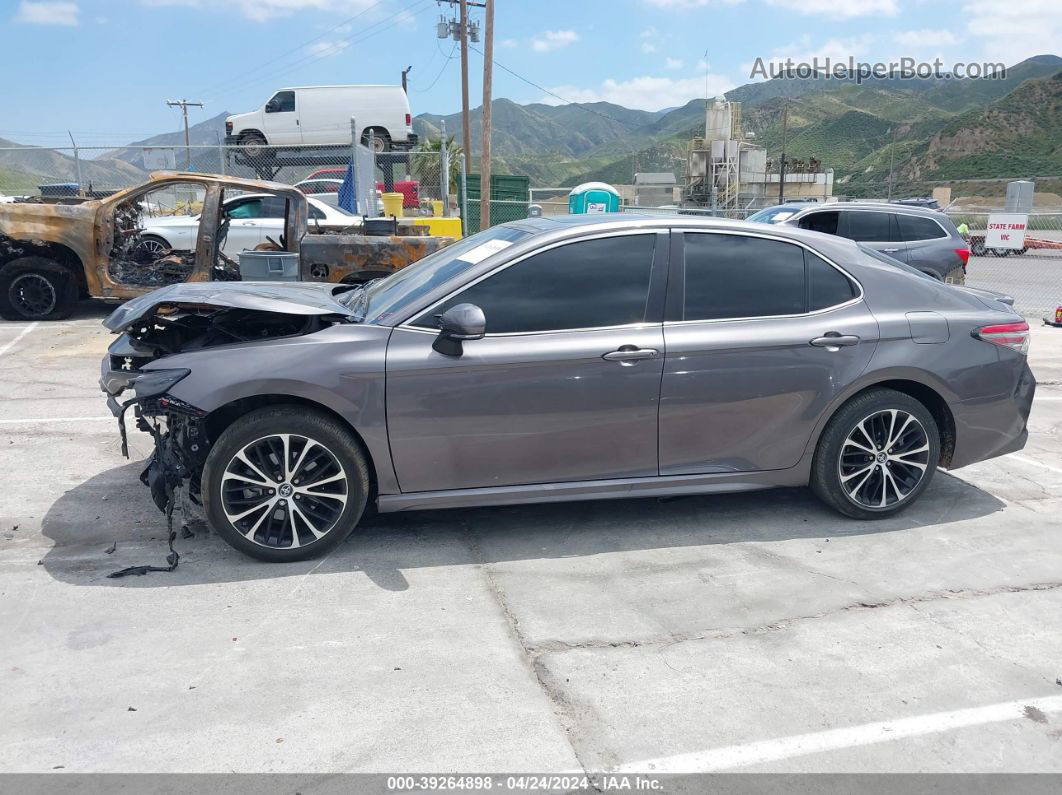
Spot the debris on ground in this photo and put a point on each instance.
(110, 550)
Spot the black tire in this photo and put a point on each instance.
(873, 409)
(37, 288)
(381, 141)
(977, 247)
(274, 528)
(254, 144)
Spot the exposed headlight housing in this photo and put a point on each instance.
(153, 383)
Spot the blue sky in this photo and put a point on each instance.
(103, 69)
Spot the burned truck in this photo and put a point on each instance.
(52, 255)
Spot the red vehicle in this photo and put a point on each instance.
(410, 190)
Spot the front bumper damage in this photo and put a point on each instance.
(176, 427)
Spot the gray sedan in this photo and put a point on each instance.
(569, 358)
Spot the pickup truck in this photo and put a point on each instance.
(51, 255)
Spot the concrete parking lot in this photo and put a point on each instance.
(756, 632)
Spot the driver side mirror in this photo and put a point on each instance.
(458, 324)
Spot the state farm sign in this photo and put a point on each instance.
(1006, 231)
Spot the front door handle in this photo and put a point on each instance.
(834, 339)
(890, 250)
(628, 354)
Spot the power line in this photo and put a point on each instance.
(308, 42)
(446, 63)
(361, 36)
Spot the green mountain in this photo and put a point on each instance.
(860, 129)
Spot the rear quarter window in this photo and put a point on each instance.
(913, 227)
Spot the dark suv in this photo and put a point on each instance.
(925, 239)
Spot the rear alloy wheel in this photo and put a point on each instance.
(36, 288)
(285, 484)
(877, 455)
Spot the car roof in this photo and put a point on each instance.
(565, 226)
(904, 209)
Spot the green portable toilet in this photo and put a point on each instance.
(593, 197)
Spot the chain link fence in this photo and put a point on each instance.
(94, 172)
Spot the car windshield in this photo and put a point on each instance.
(384, 297)
(772, 215)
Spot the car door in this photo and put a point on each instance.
(564, 385)
(926, 244)
(245, 219)
(761, 334)
(281, 120)
(876, 229)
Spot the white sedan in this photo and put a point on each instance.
(253, 218)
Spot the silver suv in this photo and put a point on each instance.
(925, 239)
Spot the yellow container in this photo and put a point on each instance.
(392, 203)
(436, 208)
(441, 227)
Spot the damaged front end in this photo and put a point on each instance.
(183, 319)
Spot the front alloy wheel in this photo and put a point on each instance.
(284, 483)
(284, 491)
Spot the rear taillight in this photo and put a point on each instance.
(964, 255)
(1010, 335)
(409, 120)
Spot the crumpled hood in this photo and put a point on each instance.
(289, 298)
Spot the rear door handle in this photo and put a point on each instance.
(890, 250)
(833, 339)
(627, 354)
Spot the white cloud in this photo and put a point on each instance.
(1016, 29)
(682, 4)
(47, 13)
(508, 43)
(840, 9)
(673, 63)
(926, 38)
(553, 40)
(646, 93)
(648, 47)
(265, 10)
(326, 49)
(803, 50)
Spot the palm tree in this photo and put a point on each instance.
(425, 167)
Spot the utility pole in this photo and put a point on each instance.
(488, 67)
(405, 79)
(184, 104)
(892, 159)
(466, 133)
(781, 163)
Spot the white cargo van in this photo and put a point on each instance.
(321, 115)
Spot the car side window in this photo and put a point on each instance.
(827, 286)
(282, 102)
(581, 285)
(867, 226)
(734, 276)
(274, 207)
(251, 208)
(913, 227)
(820, 222)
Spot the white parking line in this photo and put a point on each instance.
(1034, 462)
(33, 420)
(18, 337)
(835, 739)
